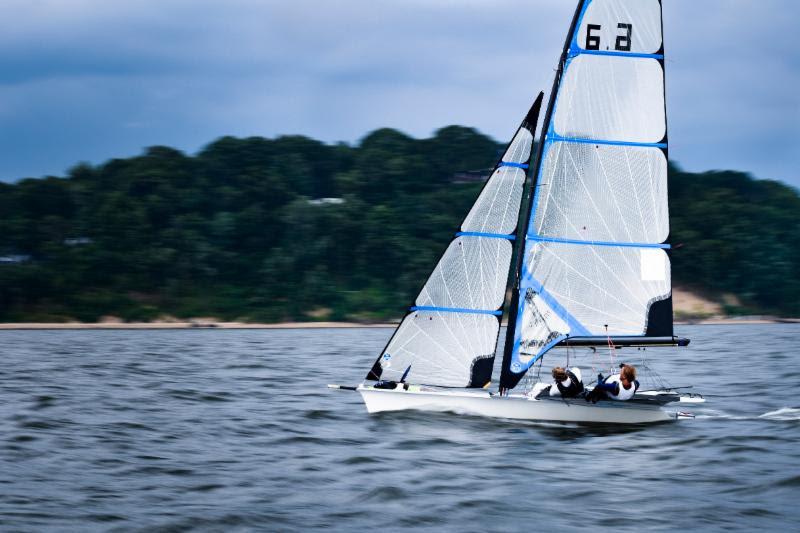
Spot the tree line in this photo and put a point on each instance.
(292, 228)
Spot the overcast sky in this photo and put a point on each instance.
(88, 80)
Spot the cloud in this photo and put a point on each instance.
(90, 80)
(731, 86)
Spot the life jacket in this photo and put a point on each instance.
(570, 387)
(621, 392)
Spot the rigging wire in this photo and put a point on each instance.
(530, 380)
(656, 380)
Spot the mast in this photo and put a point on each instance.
(509, 380)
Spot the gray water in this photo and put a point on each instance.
(226, 430)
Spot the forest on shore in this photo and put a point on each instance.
(268, 230)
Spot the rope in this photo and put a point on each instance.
(612, 351)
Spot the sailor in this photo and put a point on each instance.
(620, 386)
(566, 383)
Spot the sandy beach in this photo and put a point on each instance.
(689, 307)
(188, 324)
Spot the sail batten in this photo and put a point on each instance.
(558, 138)
(615, 54)
(486, 235)
(595, 260)
(598, 243)
(456, 310)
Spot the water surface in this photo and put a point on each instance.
(226, 430)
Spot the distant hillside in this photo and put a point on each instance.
(293, 229)
(734, 234)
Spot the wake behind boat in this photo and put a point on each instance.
(587, 220)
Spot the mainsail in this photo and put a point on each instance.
(449, 336)
(594, 261)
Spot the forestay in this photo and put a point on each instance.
(595, 260)
(449, 336)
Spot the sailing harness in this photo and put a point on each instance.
(611, 388)
(574, 389)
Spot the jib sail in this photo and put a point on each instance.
(449, 336)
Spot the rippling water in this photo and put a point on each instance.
(220, 430)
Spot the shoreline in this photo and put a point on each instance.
(210, 324)
(205, 324)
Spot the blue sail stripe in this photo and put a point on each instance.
(515, 365)
(456, 310)
(581, 51)
(597, 243)
(546, 348)
(515, 165)
(554, 137)
(576, 328)
(487, 235)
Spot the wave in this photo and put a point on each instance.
(784, 413)
(714, 413)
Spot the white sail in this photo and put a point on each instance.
(595, 260)
(450, 335)
(603, 193)
(591, 264)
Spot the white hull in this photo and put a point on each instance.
(517, 407)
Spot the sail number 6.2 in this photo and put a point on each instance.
(622, 44)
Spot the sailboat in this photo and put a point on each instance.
(576, 230)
